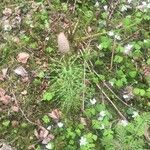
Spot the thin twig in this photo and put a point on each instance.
(109, 88)
(74, 6)
(23, 114)
(121, 115)
(75, 27)
(83, 94)
(115, 94)
(130, 37)
(112, 55)
(90, 36)
(113, 9)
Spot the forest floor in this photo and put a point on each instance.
(74, 75)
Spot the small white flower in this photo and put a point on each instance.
(31, 26)
(99, 47)
(128, 48)
(144, 7)
(97, 4)
(49, 146)
(102, 113)
(129, 1)
(60, 124)
(117, 37)
(135, 114)
(124, 122)
(148, 6)
(102, 127)
(111, 83)
(144, 3)
(111, 33)
(49, 127)
(125, 96)
(105, 7)
(83, 141)
(124, 8)
(93, 101)
(100, 118)
(145, 41)
(47, 38)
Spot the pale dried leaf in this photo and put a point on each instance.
(2, 92)
(16, 40)
(41, 133)
(5, 99)
(47, 139)
(21, 71)
(147, 133)
(24, 92)
(14, 123)
(7, 12)
(1, 78)
(4, 72)
(83, 121)
(31, 147)
(55, 114)
(5, 146)
(15, 108)
(25, 79)
(63, 43)
(23, 57)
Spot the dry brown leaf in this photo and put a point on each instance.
(2, 92)
(55, 114)
(21, 71)
(41, 133)
(14, 123)
(15, 108)
(23, 57)
(49, 138)
(6, 99)
(63, 43)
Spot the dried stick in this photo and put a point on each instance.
(121, 115)
(90, 36)
(115, 94)
(83, 95)
(113, 9)
(74, 6)
(110, 88)
(23, 114)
